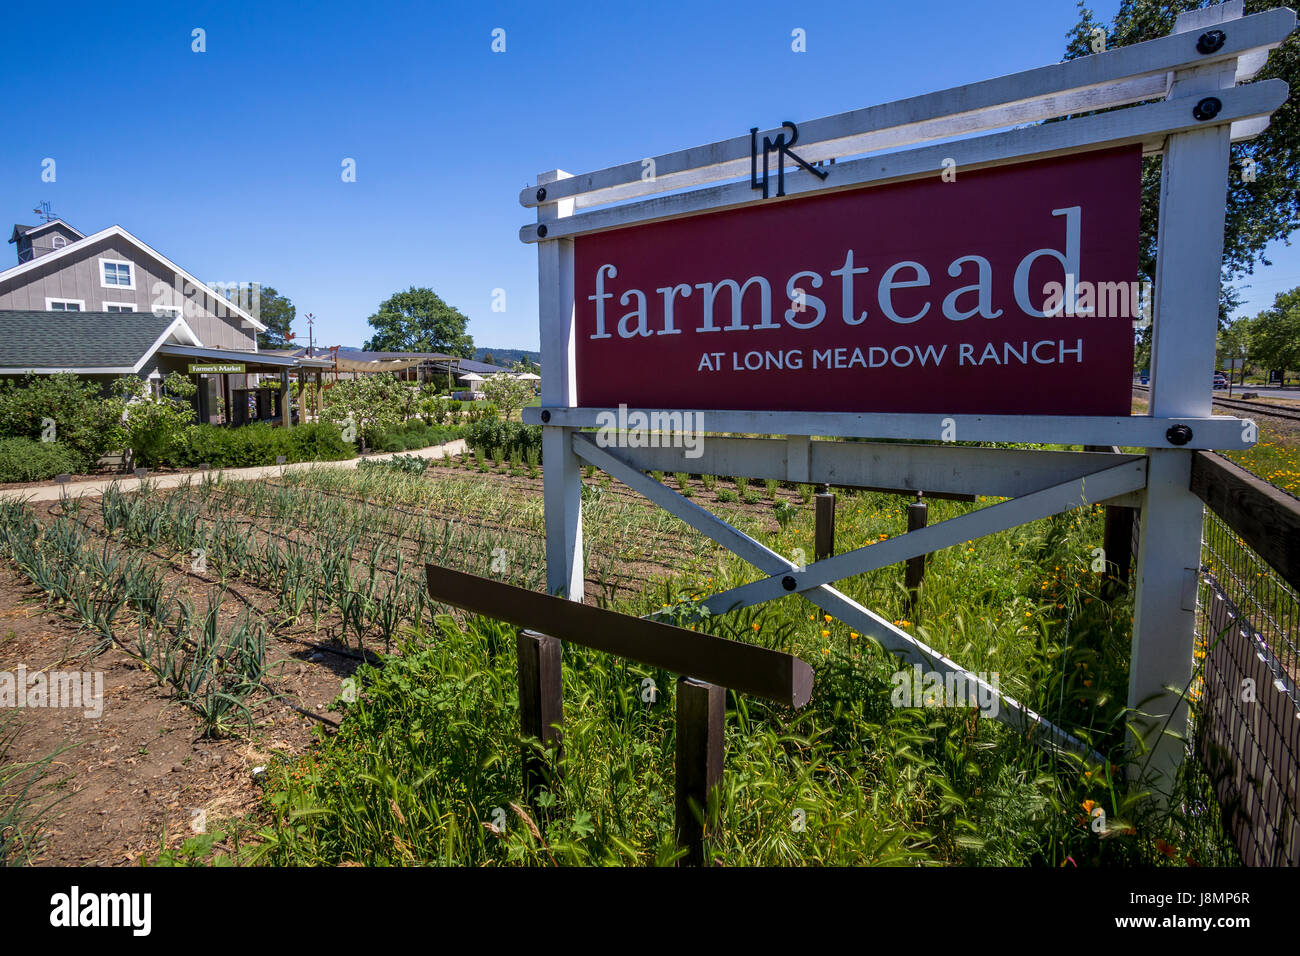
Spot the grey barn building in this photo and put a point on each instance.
(107, 304)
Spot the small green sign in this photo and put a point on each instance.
(216, 368)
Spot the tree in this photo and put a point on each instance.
(276, 313)
(1234, 343)
(487, 359)
(1262, 202)
(418, 320)
(508, 392)
(1275, 333)
(366, 406)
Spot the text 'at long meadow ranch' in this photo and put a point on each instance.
(924, 296)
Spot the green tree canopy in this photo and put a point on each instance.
(1234, 342)
(1259, 210)
(418, 320)
(276, 313)
(509, 392)
(1275, 333)
(366, 406)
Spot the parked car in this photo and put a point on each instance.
(1220, 381)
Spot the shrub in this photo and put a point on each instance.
(86, 416)
(407, 464)
(318, 441)
(22, 459)
(260, 444)
(509, 436)
(415, 435)
(156, 425)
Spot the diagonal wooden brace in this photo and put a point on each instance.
(1065, 496)
(842, 607)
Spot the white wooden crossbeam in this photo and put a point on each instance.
(933, 469)
(1116, 77)
(1148, 125)
(1137, 431)
(1090, 489)
(894, 639)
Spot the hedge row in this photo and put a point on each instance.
(416, 434)
(258, 444)
(22, 459)
(509, 437)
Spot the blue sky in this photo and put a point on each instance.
(229, 161)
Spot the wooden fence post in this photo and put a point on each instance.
(1188, 262)
(562, 472)
(541, 709)
(701, 713)
(824, 538)
(917, 518)
(1118, 543)
(286, 403)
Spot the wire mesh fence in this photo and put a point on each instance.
(1246, 702)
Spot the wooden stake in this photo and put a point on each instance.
(701, 713)
(286, 415)
(824, 540)
(917, 518)
(1118, 543)
(541, 709)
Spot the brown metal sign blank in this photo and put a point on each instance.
(772, 675)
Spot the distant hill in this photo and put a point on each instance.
(507, 357)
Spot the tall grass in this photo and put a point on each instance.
(426, 768)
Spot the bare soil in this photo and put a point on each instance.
(135, 778)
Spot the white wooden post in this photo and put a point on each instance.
(561, 473)
(1194, 181)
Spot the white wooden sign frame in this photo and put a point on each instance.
(1177, 71)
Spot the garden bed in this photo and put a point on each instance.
(873, 783)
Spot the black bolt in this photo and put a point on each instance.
(541, 232)
(1179, 435)
(541, 193)
(1207, 108)
(1211, 41)
(788, 582)
(546, 415)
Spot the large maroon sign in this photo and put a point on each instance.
(1003, 291)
